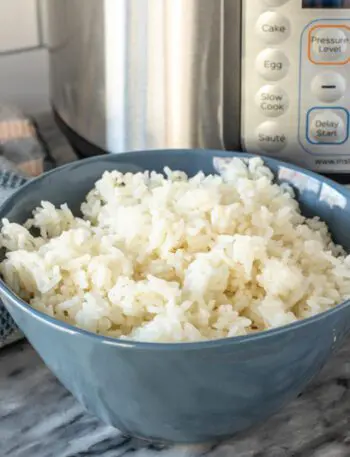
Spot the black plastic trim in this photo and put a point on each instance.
(81, 146)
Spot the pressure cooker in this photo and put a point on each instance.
(268, 77)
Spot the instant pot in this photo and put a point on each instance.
(264, 76)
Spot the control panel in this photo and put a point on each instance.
(296, 82)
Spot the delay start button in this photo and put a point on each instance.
(271, 137)
(327, 126)
(272, 101)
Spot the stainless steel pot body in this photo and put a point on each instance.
(146, 74)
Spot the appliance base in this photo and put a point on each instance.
(86, 149)
(81, 146)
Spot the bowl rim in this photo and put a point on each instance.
(9, 295)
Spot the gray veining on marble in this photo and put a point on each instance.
(39, 418)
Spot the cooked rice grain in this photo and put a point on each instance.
(174, 259)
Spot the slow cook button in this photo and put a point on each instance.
(272, 101)
(272, 64)
(325, 126)
(272, 27)
(271, 137)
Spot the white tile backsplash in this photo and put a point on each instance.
(18, 25)
(23, 58)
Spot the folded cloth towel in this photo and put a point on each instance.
(9, 182)
(27, 148)
(21, 157)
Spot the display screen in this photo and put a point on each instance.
(323, 4)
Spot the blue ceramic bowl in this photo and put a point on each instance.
(191, 392)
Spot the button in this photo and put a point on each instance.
(329, 44)
(272, 101)
(328, 86)
(327, 126)
(272, 64)
(272, 27)
(271, 137)
(275, 2)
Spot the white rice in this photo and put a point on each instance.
(172, 259)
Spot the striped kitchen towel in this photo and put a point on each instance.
(9, 182)
(28, 147)
(22, 156)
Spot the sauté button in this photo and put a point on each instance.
(272, 101)
(272, 27)
(328, 86)
(272, 64)
(271, 137)
(327, 126)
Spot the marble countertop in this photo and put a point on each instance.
(39, 418)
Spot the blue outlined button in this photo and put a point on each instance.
(327, 125)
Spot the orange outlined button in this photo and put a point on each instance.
(329, 44)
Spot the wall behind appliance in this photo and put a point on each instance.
(24, 72)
